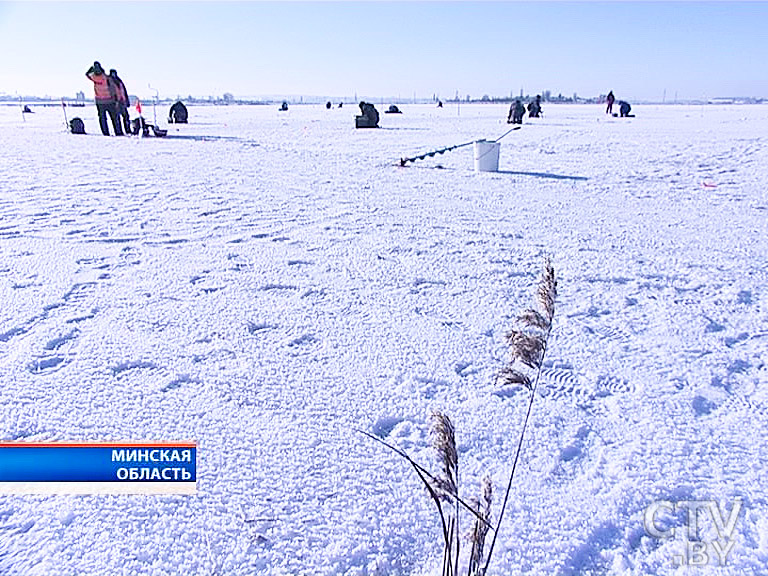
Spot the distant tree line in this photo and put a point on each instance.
(229, 99)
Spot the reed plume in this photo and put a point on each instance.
(527, 340)
(444, 443)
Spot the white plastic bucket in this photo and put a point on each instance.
(487, 156)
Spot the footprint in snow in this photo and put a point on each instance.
(419, 282)
(78, 319)
(702, 406)
(126, 367)
(384, 425)
(576, 448)
(256, 327)
(47, 364)
(465, 369)
(60, 341)
(560, 382)
(302, 340)
(57, 353)
(129, 256)
(79, 292)
(177, 383)
(271, 287)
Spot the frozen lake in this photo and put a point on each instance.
(266, 282)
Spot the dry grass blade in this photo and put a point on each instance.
(447, 560)
(423, 475)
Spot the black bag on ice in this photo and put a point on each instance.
(77, 126)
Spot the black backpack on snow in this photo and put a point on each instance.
(77, 126)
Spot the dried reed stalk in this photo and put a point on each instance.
(428, 479)
(444, 488)
(528, 345)
(447, 485)
(480, 529)
(444, 443)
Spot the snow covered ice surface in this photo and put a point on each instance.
(267, 282)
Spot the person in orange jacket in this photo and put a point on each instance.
(106, 98)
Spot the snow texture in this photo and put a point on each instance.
(266, 283)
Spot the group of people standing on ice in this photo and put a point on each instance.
(111, 99)
(517, 109)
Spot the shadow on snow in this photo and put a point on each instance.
(543, 175)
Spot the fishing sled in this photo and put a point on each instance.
(139, 127)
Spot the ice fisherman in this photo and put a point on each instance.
(123, 101)
(610, 99)
(624, 109)
(516, 113)
(106, 99)
(534, 107)
(369, 116)
(178, 113)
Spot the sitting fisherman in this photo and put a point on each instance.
(369, 117)
(624, 109)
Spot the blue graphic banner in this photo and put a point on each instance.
(98, 462)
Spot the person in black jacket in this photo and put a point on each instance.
(121, 93)
(178, 113)
(369, 117)
(516, 113)
(534, 107)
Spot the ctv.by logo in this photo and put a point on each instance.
(696, 552)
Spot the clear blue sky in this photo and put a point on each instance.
(637, 49)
